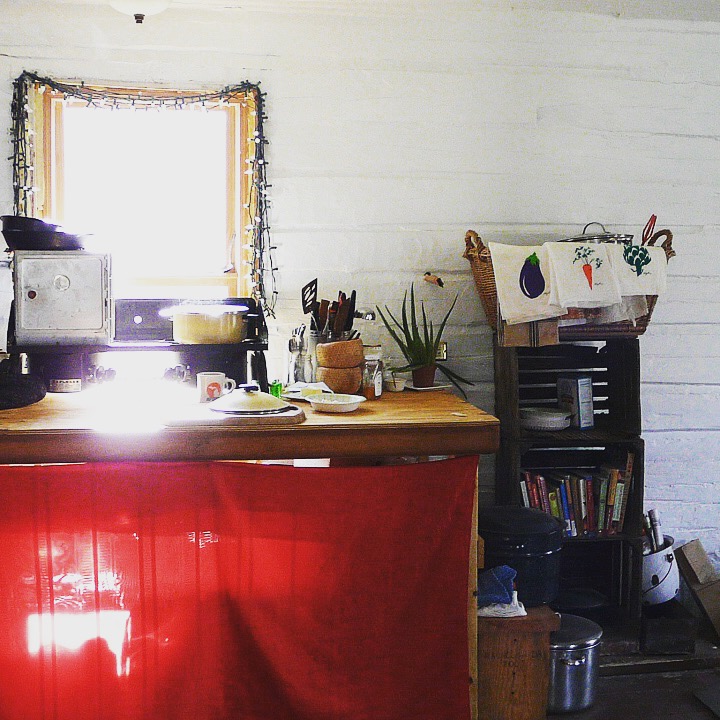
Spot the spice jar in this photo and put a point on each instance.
(372, 383)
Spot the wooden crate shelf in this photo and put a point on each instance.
(527, 377)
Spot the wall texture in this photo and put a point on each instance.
(396, 126)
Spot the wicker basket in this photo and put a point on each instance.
(478, 255)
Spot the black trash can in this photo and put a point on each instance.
(527, 540)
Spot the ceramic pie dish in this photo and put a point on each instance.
(335, 402)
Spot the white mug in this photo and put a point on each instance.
(212, 385)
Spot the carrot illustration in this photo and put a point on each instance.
(585, 254)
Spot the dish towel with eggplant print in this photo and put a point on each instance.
(640, 269)
(522, 282)
(581, 275)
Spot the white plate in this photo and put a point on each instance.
(543, 419)
(335, 402)
(425, 389)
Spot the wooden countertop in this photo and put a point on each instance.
(156, 422)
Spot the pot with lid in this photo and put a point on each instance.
(208, 323)
(527, 540)
(599, 237)
(574, 666)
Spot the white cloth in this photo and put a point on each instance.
(511, 609)
(522, 283)
(640, 269)
(581, 275)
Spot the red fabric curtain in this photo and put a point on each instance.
(211, 591)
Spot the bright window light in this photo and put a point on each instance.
(71, 631)
(151, 187)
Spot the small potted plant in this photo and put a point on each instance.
(418, 341)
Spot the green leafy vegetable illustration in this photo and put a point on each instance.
(637, 256)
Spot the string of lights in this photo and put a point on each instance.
(261, 270)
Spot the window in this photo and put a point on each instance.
(171, 184)
(154, 187)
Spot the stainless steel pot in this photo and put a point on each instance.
(208, 323)
(596, 237)
(574, 652)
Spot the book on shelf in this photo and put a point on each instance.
(590, 495)
(617, 507)
(555, 510)
(628, 481)
(524, 493)
(543, 493)
(600, 482)
(588, 502)
(613, 479)
(561, 482)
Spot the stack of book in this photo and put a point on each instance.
(589, 503)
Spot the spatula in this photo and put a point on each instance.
(309, 296)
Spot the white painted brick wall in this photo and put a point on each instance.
(396, 126)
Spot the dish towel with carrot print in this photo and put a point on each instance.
(640, 269)
(523, 283)
(581, 275)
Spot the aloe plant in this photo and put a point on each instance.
(418, 342)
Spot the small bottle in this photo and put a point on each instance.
(372, 382)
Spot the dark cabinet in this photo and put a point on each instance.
(601, 576)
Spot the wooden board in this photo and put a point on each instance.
(203, 416)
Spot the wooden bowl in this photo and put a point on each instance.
(340, 354)
(341, 380)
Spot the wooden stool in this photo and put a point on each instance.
(514, 665)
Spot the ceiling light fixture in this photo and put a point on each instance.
(140, 8)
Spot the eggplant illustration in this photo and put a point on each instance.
(532, 282)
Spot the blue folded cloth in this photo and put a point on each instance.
(495, 585)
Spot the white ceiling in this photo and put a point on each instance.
(687, 10)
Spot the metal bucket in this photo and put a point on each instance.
(574, 652)
(661, 578)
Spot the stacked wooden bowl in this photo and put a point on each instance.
(339, 365)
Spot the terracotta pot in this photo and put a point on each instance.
(424, 377)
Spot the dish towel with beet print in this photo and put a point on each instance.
(581, 275)
(523, 283)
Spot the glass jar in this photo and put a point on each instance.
(372, 382)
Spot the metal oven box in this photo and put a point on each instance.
(62, 297)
